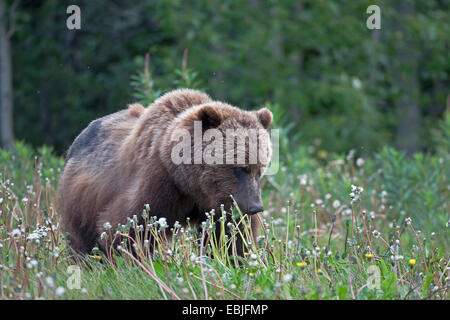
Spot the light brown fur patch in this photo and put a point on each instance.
(136, 109)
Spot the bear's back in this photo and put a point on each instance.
(99, 139)
(177, 101)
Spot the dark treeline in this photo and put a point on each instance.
(337, 84)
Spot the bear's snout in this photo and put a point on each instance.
(255, 209)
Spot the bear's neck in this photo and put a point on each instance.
(157, 189)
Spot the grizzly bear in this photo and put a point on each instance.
(123, 161)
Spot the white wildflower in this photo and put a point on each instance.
(59, 291)
(356, 83)
(287, 277)
(162, 223)
(50, 282)
(336, 204)
(15, 233)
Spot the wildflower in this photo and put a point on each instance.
(287, 277)
(32, 264)
(319, 271)
(103, 236)
(355, 193)
(303, 179)
(250, 274)
(59, 291)
(253, 263)
(49, 281)
(15, 233)
(376, 234)
(360, 162)
(278, 221)
(350, 155)
(39, 233)
(356, 83)
(107, 225)
(336, 203)
(412, 262)
(397, 257)
(301, 265)
(162, 223)
(408, 221)
(193, 257)
(97, 257)
(369, 255)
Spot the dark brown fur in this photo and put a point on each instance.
(122, 161)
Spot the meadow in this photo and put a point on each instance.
(339, 227)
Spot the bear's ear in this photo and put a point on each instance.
(265, 117)
(210, 117)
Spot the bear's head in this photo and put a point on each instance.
(216, 152)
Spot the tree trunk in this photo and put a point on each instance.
(6, 91)
(409, 113)
(276, 45)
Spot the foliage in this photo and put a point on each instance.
(336, 82)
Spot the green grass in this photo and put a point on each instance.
(314, 244)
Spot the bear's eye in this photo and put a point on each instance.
(240, 171)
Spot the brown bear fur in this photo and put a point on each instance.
(122, 161)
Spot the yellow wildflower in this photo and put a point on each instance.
(301, 264)
(412, 262)
(369, 256)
